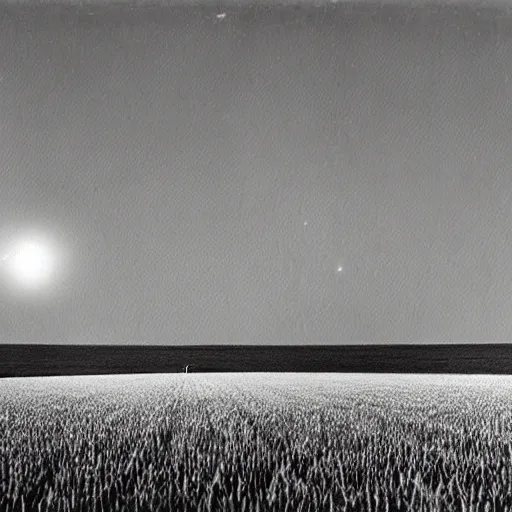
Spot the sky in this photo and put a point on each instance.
(301, 175)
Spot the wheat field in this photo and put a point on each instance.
(256, 442)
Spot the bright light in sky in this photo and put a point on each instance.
(30, 263)
(340, 269)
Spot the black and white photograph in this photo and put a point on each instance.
(255, 256)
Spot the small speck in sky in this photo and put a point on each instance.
(221, 16)
(340, 269)
(305, 223)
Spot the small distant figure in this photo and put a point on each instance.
(187, 368)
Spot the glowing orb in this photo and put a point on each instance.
(30, 263)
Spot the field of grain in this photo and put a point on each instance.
(247, 442)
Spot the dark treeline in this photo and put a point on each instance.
(33, 360)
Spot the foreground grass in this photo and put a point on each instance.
(246, 442)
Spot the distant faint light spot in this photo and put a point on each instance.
(221, 16)
(340, 269)
(305, 223)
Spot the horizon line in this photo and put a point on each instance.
(255, 345)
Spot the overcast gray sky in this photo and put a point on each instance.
(203, 179)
